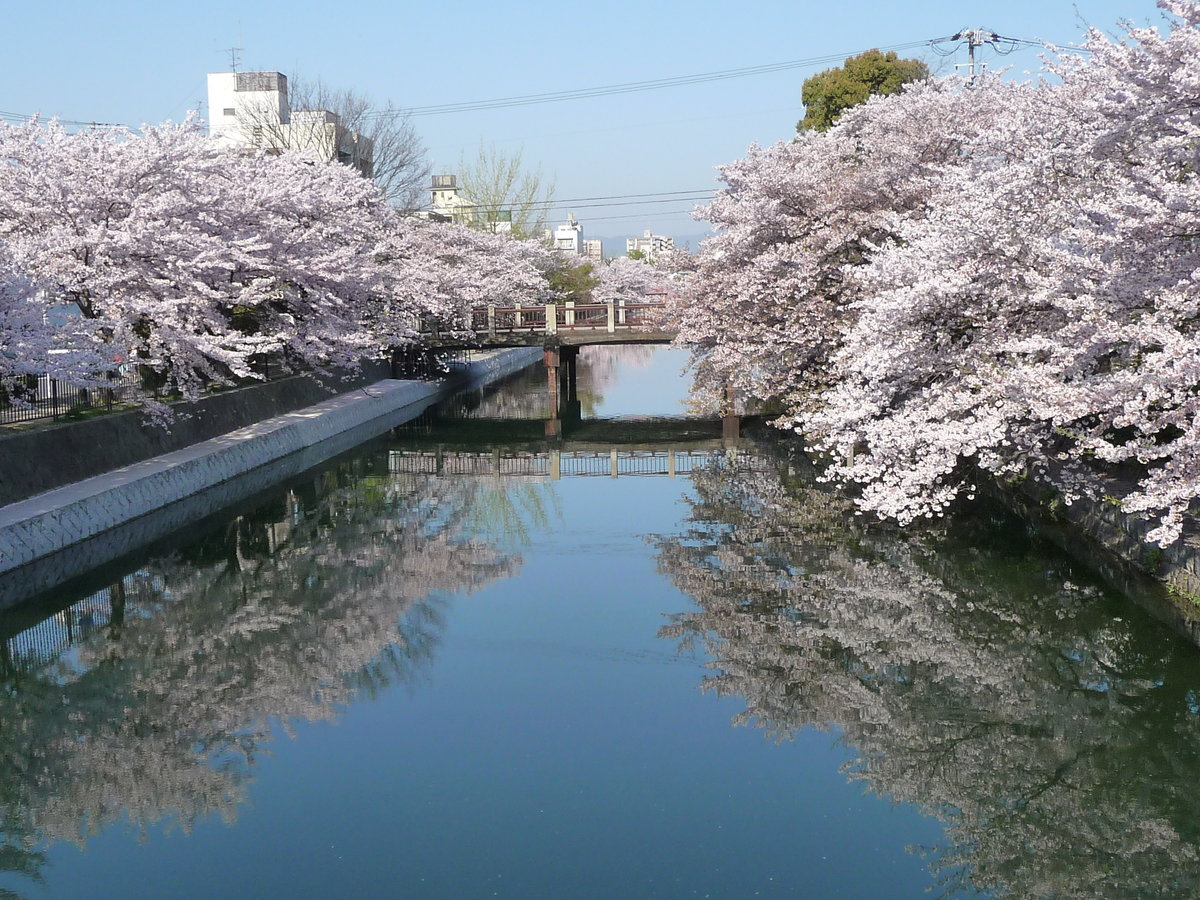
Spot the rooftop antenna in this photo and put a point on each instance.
(235, 57)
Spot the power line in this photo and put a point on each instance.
(626, 87)
(22, 118)
(584, 202)
(658, 214)
(1002, 44)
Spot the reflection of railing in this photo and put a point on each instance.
(556, 464)
(29, 398)
(43, 643)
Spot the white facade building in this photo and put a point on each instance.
(594, 249)
(446, 205)
(650, 244)
(568, 237)
(252, 109)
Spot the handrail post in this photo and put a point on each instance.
(621, 320)
(551, 319)
(612, 317)
(570, 315)
(520, 319)
(491, 322)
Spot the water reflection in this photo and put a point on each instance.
(151, 699)
(970, 670)
(525, 396)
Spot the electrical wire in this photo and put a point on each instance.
(665, 197)
(625, 88)
(1010, 44)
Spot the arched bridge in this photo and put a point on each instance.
(566, 325)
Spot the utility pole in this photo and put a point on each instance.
(975, 37)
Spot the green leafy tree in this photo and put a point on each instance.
(828, 94)
(572, 280)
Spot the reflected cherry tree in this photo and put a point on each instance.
(1055, 730)
(334, 589)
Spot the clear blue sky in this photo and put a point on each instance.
(134, 62)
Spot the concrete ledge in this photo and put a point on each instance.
(46, 524)
(50, 456)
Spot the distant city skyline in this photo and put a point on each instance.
(143, 62)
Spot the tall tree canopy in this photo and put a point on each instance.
(196, 260)
(978, 275)
(828, 94)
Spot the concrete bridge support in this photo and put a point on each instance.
(562, 388)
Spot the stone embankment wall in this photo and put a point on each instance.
(1115, 542)
(106, 514)
(40, 459)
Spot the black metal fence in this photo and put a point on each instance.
(30, 398)
(34, 398)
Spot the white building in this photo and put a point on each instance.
(251, 109)
(649, 244)
(446, 205)
(594, 249)
(568, 237)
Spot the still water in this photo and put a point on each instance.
(446, 667)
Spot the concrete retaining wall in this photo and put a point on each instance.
(37, 460)
(1115, 542)
(41, 526)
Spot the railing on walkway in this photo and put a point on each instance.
(30, 398)
(37, 398)
(612, 316)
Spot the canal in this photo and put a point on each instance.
(464, 660)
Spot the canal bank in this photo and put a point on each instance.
(1095, 529)
(86, 511)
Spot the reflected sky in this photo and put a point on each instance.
(376, 684)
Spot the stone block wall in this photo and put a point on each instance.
(37, 460)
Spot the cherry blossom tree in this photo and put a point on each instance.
(30, 345)
(197, 261)
(775, 288)
(192, 259)
(995, 276)
(1042, 319)
(628, 279)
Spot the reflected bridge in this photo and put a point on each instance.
(554, 464)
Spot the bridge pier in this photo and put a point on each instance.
(551, 358)
(562, 388)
